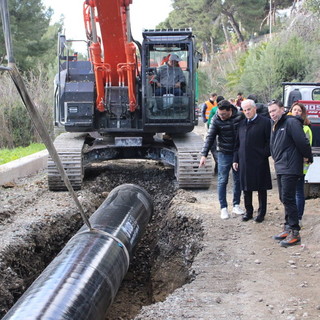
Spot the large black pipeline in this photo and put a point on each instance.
(82, 281)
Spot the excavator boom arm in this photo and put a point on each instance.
(111, 50)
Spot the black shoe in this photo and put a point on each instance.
(259, 218)
(246, 217)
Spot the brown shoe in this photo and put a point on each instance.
(292, 239)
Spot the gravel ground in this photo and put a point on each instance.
(190, 264)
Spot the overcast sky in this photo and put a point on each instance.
(144, 14)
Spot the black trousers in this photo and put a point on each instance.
(287, 184)
(262, 198)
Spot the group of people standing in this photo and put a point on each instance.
(245, 140)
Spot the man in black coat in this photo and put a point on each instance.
(252, 150)
(289, 149)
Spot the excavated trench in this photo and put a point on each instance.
(161, 263)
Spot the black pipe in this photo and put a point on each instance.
(82, 281)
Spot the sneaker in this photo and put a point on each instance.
(282, 235)
(225, 214)
(237, 210)
(292, 239)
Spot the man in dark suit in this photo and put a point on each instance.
(252, 150)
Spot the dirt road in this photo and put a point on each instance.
(242, 273)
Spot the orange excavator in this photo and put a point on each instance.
(128, 100)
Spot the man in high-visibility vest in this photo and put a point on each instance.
(208, 105)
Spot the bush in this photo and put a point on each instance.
(15, 123)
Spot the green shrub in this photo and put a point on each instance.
(16, 125)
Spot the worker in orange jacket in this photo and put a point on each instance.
(207, 106)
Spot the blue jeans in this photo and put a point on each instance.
(224, 165)
(300, 200)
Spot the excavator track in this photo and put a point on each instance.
(187, 170)
(69, 147)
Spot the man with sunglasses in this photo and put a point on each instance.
(224, 126)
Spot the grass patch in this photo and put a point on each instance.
(7, 155)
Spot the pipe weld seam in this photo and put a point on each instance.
(120, 243)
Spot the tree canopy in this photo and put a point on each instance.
(223, 21)
(34, 39)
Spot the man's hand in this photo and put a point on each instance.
(307, 160)
(235, 166)
(202, 161)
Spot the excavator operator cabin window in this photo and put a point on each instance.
(168, 84)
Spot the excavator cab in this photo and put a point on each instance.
(168, 106)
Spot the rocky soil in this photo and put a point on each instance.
(190, 264)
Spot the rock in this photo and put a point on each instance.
(191, 199)
(9, 185)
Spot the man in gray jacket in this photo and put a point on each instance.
(170, 77)
(289, 149)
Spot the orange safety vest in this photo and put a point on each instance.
(209, 105)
